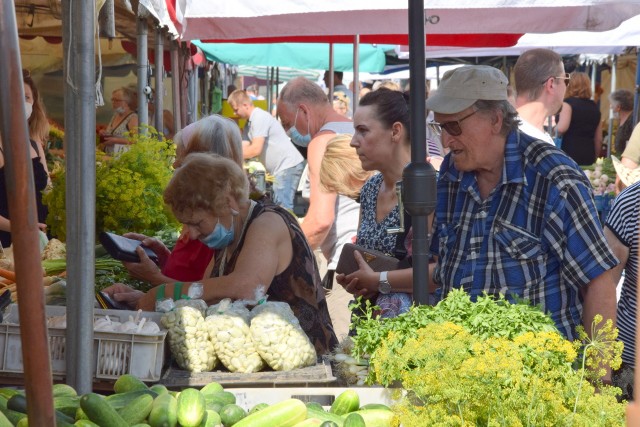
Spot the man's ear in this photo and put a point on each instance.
(496, 121)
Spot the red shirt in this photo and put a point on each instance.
(188, 260)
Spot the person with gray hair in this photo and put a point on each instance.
(514, 215)
(188, 260)
(622, 106)
(540, 84)
(310, 121)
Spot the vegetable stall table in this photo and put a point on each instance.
(319, 375)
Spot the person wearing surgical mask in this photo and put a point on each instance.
(259, 247)
(34, 114)
(310, 121)
(113, 139)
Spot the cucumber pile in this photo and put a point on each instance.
(136, 404)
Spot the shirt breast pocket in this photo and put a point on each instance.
(519, 262)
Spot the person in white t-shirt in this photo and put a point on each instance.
(540, 82)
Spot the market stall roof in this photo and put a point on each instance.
(297, 55)
(283, 74)
(609, 42)
(250, 19)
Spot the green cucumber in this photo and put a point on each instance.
(223, 397)
(80, 415)
(347, 401)
(211, 419)
(282, 414)
(329, 424)
(23, 422)
(212, 387)
(100, 411)
(377, 417)
(137, 410)
(231, 413)
(164, 411)
(119, 401)
(7, 392)
(61, 390)
(374, 406)
(128, 382)
(13, 416)
(85, 423)
(354, 420)
(68, 405)
(159, 389)
(191, 407)
(325, 416)
(258, 407)
(314, 405)
(18, 403)
(309, 422)
(4, 421)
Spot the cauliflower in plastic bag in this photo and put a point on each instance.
(230, 335)
(198, 304)
(279, 338)
(189, 339)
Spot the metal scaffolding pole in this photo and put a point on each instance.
(419, 178)
(24, 228)
(159, 75)
(143, 70)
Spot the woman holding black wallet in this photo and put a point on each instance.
(382, 142)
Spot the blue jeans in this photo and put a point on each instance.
(285, 184)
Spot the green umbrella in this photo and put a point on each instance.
(302, 56)
(284, 74)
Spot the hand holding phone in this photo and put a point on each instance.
(124, 249)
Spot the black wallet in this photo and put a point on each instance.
(123, 248)
(109, 303)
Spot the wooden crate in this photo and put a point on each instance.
(318, 375)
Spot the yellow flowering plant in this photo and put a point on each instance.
(129, 189)
(456, 369)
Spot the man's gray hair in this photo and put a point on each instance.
(510, 119)
(301, 90)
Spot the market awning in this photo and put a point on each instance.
(249, 19)
(283, 74)
(296, 55)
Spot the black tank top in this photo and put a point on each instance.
(40, 180)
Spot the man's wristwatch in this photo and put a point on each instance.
(384, 287)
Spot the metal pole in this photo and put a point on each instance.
(636, 100)
(143, 68)
(80, 190)
(175, 86)
(192, 89)
(159, 88)
(24, 228)
(331, 71)
(614, 72)
(594, 68)
(419, 178)
(356, 72)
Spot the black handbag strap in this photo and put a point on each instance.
(400, 250)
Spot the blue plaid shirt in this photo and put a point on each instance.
(536, 236)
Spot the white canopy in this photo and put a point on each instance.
(565, 43)
(259, 18)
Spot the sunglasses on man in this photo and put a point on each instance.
(452, 127)
(566, 78)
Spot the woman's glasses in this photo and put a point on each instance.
(452, 128)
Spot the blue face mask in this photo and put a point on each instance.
(220, 237)
(297, 137)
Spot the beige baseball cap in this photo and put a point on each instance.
(460, 88)
(627, 175)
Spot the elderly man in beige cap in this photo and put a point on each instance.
(514, 215)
